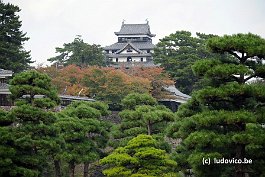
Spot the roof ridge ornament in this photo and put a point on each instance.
(123, 21)
(147, 21)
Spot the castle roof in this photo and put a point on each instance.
(132, 29)
(3, 86)
(114, 55)
(139, 45)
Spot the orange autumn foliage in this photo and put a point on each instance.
(107, 83)
(157, 77)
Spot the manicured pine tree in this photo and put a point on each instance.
(139, 158)
(224, 120)
(7, 152)
(142, 116)
(35, 137)
(84, 132)
(177, 52)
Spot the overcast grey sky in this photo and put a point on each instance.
(51, 23)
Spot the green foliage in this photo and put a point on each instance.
(135, 99)
(78, 147)
(85, 134)
(178, 52)
(35, 88)
(13, 56)
(144, 116)
(79, 53)
(224, 120)
(7, 152)
(100, 106)
(140, 157)
(33, 137)
(250, 44)
(247, 49)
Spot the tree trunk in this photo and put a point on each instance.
(86, 166)
(240, 154)
(72, 169)
(149, 127)
(57, 167)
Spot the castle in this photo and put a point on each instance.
(134, 46)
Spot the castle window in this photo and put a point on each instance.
(129, 59)
(148, 51)
(117, 60)
(3, 80)
(142, 59)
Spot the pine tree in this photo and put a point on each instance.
(142, 116)
(177, 52)
(79, 53)
(84, 132)
(35, 137)
(139, 158)
(7, 152)
(12, 54)
(224, 120)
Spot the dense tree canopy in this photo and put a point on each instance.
(109, 84)
(34, 88)
(136, 99)
(33, 138)
(7, 151)
(12, 53)
(178, 52)
(90, 135)
(224, 120)
(139, 158)
(113, 85)
(142, 115)
(79, 53)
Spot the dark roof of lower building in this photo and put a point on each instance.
(172, 89)
(64, 97)
(139, 45)
(35, 96)
(81, 98)
(3, 71)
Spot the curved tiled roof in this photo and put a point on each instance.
(176, 92)
(129, 45)
(139, 45)
(131, 29)
(113, 55)
(3, 86)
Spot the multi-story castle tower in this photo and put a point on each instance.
(134, 46)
